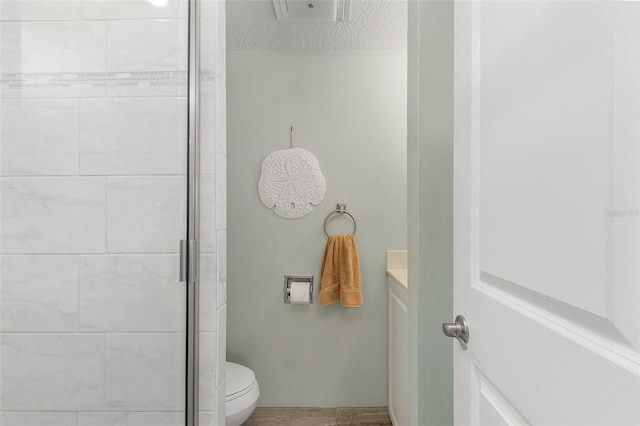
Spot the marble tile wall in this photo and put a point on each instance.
(93, 118)
(213, 276)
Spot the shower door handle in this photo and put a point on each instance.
(187, 260)
(183, 261)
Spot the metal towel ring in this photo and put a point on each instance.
(342, 209)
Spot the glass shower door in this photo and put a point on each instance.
(93, 164)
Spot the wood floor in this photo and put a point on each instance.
(370, 416)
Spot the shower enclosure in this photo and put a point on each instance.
(112, 152)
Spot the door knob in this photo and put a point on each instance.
(458, 329)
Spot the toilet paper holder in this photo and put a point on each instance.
(290, 278)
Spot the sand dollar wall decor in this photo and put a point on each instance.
(291, 182)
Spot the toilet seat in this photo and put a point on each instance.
(241, 394)
(239, 381)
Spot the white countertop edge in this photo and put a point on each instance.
(401, 276)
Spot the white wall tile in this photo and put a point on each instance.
(159, 45)
(145, 214)
(36, 10)
(207, 376)
(221, 344)
(133, 9)
(170, 88)
(221, 116)
(39, 293)
(41, 46)
(222, 268)
(209, 9)
(138, 293)
(38, 419)
(46, 372)
(145, 372)
(208, 292)
(208, 214)
(133, 136)
(208, 134)
(221, 192)
(70, 215)
(209, 33)
(52, 215)
(117, 418)
(207, 85)
(39, 137)
(221, 66)
(220, 400)
(208, 418)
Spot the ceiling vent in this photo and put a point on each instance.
(312, 10)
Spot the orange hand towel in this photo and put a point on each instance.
(340, 275)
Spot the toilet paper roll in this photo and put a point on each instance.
(299, 294)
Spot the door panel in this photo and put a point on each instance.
(543, 169)
(547, 198)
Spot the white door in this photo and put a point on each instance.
(547, 212)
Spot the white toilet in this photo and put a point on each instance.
(241, 394)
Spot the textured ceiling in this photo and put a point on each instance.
(374, 24)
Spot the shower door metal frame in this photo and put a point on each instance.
(193, 218)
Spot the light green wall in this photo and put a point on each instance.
(430, 209)
(349, 110)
